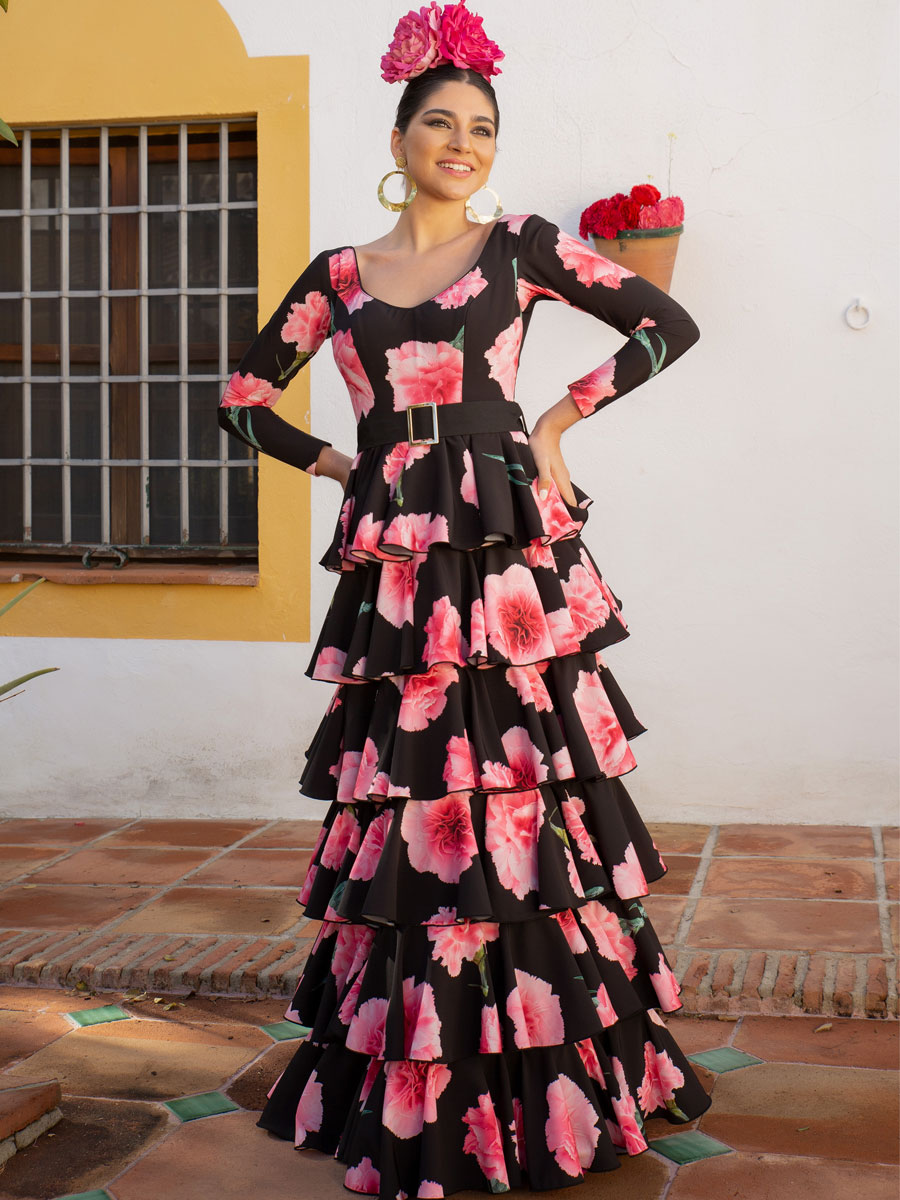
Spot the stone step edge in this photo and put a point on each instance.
(24, 1137)
(714, 981)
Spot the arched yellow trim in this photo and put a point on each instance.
(100, 61)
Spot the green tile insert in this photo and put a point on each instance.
(725, 1058)
(689, 1147)
(281, 1031)
(207, 1104)
(101, 1194)
(97, 1016)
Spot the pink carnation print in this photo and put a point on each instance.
(515, 221)
(606, 735)
(464, 289)
(348, 363)
(535, 1011)
(467, 488)
(604, 1006)
(503, 357)
(625, 1131)
(364, 1177)
(527, 291)
(396, 592)
(591, 389)
(485, 1141)
(428, 1190)
(573, 935)
(366, 1032)
(368, 765)
(423, 371)
(606, 931)
(348, 1004)
(345, 279)
(517, 1129)
(401, 456)
(587, 605)
(661, 1079)
(512, 826)
(330, 664)
(425, 696)
(589, 266)
(444, 640)
(422, 1025)
(243, 390)
(416, 531)
(411, 1092)
(351, 946)
(343, 839)
(539, 555)
(588, 1053)
(628, 878)
(571, 1128)
(440, 836)
(555, 517)
(514, 616)
(477, 632)
(459, 768)
(373, 844)
(308, 1118)
(562, 631)
(491, 1035)
(307, 324)
(459, 942)
(573, 808)
(530, 687)
(666, 986)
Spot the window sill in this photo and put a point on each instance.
(233, 575)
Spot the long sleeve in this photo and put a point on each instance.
(298, 327)
(554, 265)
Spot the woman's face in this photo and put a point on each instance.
(454, 125)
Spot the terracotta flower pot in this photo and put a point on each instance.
(647, 252)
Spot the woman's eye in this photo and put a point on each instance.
(480, 129)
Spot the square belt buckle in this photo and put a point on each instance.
(422, 441)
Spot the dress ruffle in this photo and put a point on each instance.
(453, 729)
(465, 491)
(496, 605)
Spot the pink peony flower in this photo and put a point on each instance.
(464, 289)
(571, 1128)
(415, 47)
(666, 986)
(308, 323)
(459, 768)
(661, 1078)
(606, 735)
(440, 836)
(422, 1025)
(535, 1011)
(411, 1093)
(308, 1118)
(459, 942)
(485, 1141)
(628, 878)
(373, 844)
(243, 390)
(591, 389)
(587, 605)
(348, 363)
(425, 696)
(606, 931)
(514, 615)
(503, 357)
(425, 371)
(589, 266)
(445, 642)
(464, 42)
(671, 211)
(364, 1177)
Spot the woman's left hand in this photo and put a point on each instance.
(551, 467)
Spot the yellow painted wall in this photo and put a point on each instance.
(105, 61)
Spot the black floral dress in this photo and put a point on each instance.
(484, 990)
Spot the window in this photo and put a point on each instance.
(128, 292)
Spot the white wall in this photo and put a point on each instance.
(745, 501)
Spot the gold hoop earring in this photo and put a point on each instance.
(477, 217)
(399, 205)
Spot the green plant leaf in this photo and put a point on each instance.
(20, 595)
(6, 132)
(4, 4)
(8, 687)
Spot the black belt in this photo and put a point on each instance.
(467, 416)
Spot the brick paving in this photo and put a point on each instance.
(768, 919)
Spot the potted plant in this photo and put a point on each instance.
(639, 231)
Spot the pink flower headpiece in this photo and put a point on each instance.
(434, 36)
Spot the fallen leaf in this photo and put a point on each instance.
(802, 1128)
(168, 958)
(727, 1017)
(172, 1004)
(29, 886)
(822, 1028)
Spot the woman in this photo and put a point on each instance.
(483, 993)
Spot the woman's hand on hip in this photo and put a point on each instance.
(548, 459)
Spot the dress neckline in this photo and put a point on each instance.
(431, 299)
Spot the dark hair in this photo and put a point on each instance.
(417, 91)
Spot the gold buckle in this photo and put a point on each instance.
(430, 441)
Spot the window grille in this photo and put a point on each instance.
(128, 293)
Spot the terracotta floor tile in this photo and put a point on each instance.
(208, 1010)
(891, 836)
(183, 833)
(93, 1142)
(826, 1112)
(856, 1043)
(38, 999)
(777, 1176)
(123, 864)
(266, 868)
(23, 1033)
(791, 878)
(58, 906)
(252, 1085)
(217, 910)
(697, 1033)
(797, 841)
(786, 925)
(672, 837)
(144, 1060)
(665, 914)
(20, 860)
(52, 832)
(679, 877)
(892, 878)
(288, 834)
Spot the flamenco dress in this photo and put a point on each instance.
(484, 992)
